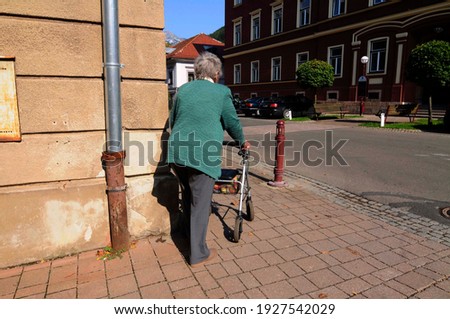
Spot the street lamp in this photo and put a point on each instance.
(362, 85)
(364, 61)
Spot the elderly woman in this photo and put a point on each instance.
(202, 111)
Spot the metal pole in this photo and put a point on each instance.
(363, 81)
(112, 76)
(112, 158)
(279, 168)
(363, 99)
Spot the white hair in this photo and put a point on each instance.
(207, 65)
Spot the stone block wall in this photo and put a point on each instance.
(52, 184)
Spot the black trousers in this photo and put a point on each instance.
(197, 190)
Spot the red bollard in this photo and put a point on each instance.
(279, 167)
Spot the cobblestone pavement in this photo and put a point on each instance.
(400, 218)
(308, 240)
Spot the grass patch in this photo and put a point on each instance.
(301, 119)
(353, 116)
(418, 124)
(327, 117)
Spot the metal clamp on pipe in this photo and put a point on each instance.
(112, 64)
(108, 157)
(110, 189)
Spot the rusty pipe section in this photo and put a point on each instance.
(112, 158)
(117, 204)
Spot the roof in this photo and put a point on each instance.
(192, 47)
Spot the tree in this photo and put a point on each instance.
(219, 34)
(429, 66)
(315, 74)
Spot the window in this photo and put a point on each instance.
(276, 69)
(377, 57)
(237, 32)
(170, 77)
(374, 95)
(277, 19)
(332, 95)
(375, 2)
(191, 76)
(335, 59)
(337, 7)
(255, 35)
(237, 2)
(304, 11)
(254, 71)
(302, 58)
(237, 73)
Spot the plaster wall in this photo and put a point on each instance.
(52, 186)
(181, 73)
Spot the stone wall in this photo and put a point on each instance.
(52, 185)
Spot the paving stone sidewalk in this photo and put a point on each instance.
(303, 243)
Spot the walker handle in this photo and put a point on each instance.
(244, 153)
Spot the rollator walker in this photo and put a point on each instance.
(236, 182)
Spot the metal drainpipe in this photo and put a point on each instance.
(112, 158)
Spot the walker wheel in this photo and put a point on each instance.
(250, 210)
(237, 228)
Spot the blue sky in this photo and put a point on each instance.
(186, 18)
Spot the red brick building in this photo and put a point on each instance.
(266, 40)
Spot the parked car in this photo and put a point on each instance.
(280, 107)
(238, 104)
(252, 105)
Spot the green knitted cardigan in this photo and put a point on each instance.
(201, 112)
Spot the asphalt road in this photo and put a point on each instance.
(410, 171)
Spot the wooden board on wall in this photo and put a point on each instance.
(9, 112)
